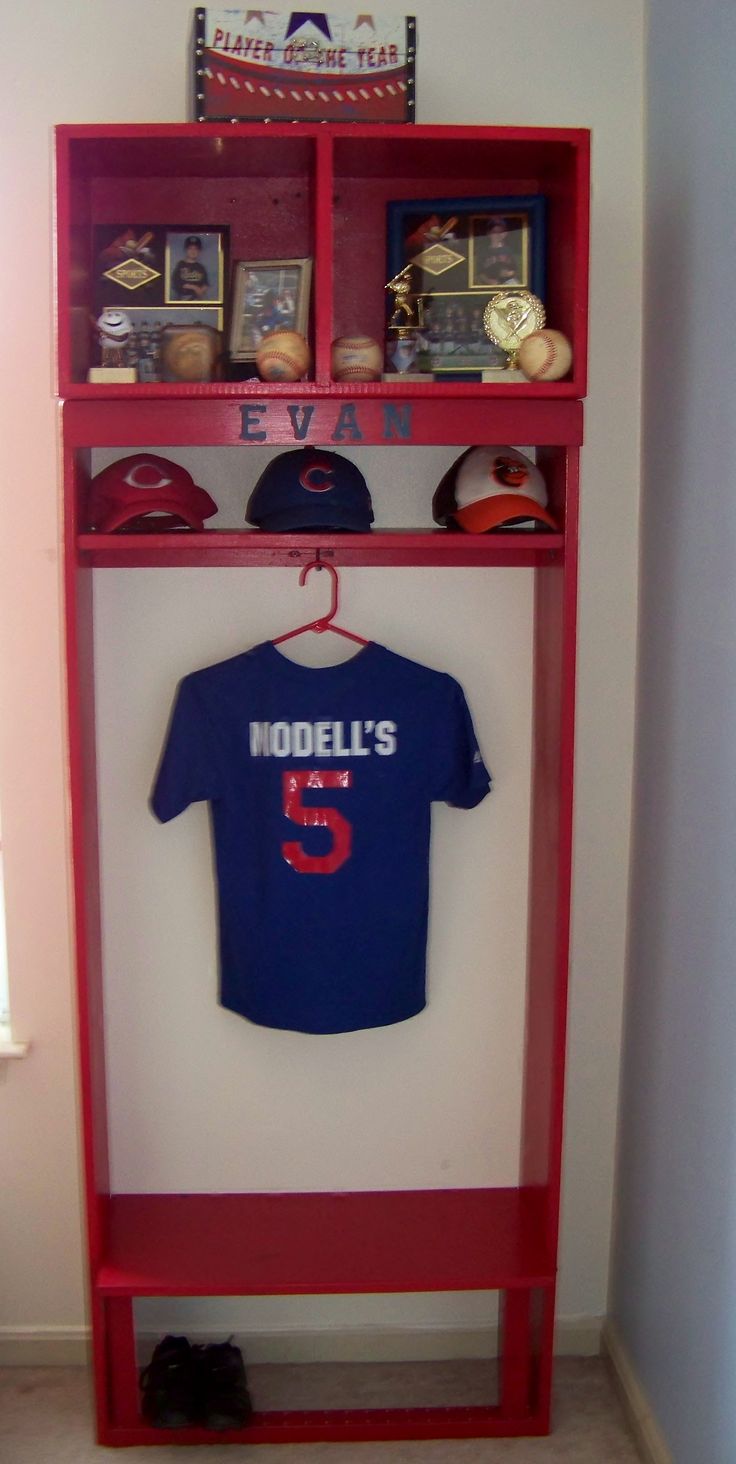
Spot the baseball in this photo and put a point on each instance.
(356, 358)
(545, 355)
(189, 352)
(283, 356)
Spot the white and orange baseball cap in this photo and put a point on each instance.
(490, 488)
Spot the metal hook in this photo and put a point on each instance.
(318, 563)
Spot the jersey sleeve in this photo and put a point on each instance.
(461, 777)
(187, 772)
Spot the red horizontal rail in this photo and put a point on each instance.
(152, 131)
(347, 1425)
(289, 421)
(218, 548)
(523, 391)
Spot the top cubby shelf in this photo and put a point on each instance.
(296, 190)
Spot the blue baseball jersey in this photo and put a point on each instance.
(320, 781)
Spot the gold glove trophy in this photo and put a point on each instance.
(508, 318)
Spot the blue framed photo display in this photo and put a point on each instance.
(463, 251)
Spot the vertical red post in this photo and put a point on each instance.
(63, 236)
(515, 1360)
(551, 848)
(81, 755)
(543, 1342)
(323, 234)
(122, 1366)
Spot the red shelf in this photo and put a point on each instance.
(284, 1244)
(522, 391)
(398, 547)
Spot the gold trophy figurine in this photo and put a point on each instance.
(404, 300)
(402, 342)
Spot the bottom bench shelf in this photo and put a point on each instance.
(287, 1244)
(296, 1244)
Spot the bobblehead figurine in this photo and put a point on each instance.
(113, 327)
(113, 334)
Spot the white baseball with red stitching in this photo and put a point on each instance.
(356, 358)
(284, 355)
(545, 355)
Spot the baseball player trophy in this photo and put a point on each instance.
(403, 327)
(508, 318)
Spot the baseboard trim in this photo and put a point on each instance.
(649, 1438)
(44, 1346)
(70, 1346)
(578, 1336)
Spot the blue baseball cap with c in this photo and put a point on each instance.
(311, 488)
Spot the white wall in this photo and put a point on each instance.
(201, 1100)
(674, 1291)
(541, 62)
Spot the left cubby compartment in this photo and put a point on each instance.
(260, 187)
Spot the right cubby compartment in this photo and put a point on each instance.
(445, 163)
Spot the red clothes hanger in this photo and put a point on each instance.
(325, 622)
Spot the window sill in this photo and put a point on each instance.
(9, 1048)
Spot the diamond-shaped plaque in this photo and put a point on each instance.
(132, 274)
(437, 259)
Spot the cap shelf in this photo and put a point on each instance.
(252, 547)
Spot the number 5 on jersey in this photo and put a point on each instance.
(311, 816)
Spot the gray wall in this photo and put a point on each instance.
(674, 1274)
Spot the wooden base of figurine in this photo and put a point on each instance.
(113, 375)
(407, 376)
(502, 378)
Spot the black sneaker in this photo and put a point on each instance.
(169, 1385)
(223, 1391)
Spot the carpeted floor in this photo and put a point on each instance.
(45, 1417)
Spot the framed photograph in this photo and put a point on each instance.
(143, 350)
(268, 295)
(463, 250)
(194, 267)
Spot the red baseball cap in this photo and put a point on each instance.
(488, 487)
(134, 490)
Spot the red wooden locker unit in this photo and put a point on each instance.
(320, 192)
